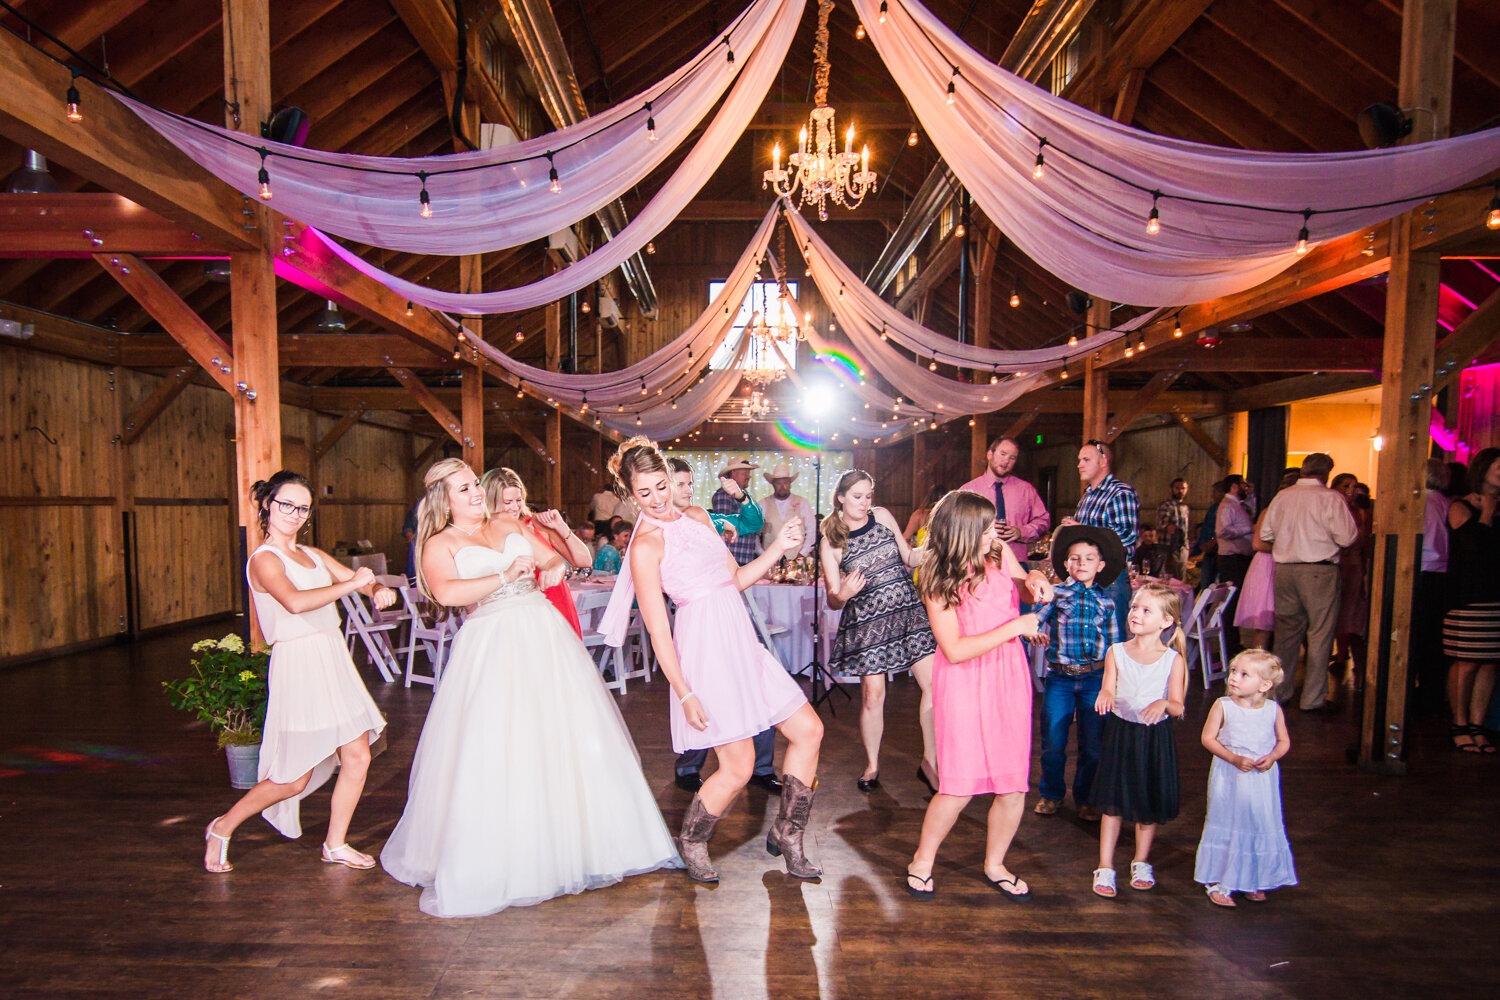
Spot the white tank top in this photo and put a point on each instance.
(1139, 684)
(278, 624)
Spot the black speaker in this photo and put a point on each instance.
(287, 125)
(1078, 302)
(1382, 125)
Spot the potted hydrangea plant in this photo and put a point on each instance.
(227, 689)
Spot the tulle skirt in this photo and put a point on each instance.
(1257, 607)
(526, 784)
(1244, 846)
(317, 704)
(1137, 776)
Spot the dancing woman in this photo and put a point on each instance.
(867, 565)
(725, 686)
(525, 784)
(506, 494)
(319, 716)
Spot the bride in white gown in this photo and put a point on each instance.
(526, 784)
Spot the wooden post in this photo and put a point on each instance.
(984, 315)
(252, 275)
(1095, 382)
(470, 279)
(554, 458)
(1427, 37)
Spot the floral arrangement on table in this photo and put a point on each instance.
(227, 689)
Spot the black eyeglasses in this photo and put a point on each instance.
(291, 509)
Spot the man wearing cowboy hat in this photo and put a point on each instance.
(737, 473)
(783, 505)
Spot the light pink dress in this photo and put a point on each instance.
(982, 707)
(742, 688)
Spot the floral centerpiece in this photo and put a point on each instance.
(227, 689)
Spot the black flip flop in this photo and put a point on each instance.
(999, 886)
(919, 893)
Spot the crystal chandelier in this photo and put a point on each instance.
(758, 406)
(771, 337)
(818, 169)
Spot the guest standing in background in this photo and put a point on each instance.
(1471, 629)
(409, 532)
(607, 560)
(914, 533)
(883, 628)
(1307, 524)
(783, 505)
(1019, 512)
(1109, 503)
(1206, 545)
(1236, 534)
(1173, 526)
(1429, 668)
(603, 506)
(727, 500)
(1348, 663)
(320, 717)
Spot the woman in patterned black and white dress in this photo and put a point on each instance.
(867, 565)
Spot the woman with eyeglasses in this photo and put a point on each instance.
(320, 717)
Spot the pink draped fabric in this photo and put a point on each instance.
(1090, 229)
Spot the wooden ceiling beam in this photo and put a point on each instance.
(1142, 36)
(111, 146)
(68, 224)
(154, 405)
(211, 353)
(431, 24)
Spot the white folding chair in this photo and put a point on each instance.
(768, 632)
(432, 638)
(1205, 632)
(614, 662)
(360, 623)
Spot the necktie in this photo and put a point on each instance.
(999, 501)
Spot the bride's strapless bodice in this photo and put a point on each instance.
(476, 561)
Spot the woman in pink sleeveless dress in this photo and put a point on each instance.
(981, 686)
(320, 716)
(725, 686)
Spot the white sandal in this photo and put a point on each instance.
(222, 865)
(1104, 882)
(1219, 896)
(1142, 872)
(359, 862)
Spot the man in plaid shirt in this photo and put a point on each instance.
(1173, 524)
(737, 473)
(1080, 626)
(1108, 503)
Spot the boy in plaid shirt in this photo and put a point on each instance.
(1079, 625)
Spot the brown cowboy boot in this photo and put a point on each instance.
(786, 832)
(697, 827)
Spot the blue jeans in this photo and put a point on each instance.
(1063, 697)
(691, 762)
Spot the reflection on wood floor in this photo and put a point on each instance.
(104, 792)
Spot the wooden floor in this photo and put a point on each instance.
(104, 792)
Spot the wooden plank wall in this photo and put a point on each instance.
(62, 506)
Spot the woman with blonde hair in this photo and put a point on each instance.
(505, 493)
(725, 686)
(526, 784)
(867, 565)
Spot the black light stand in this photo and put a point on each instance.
(823, 684)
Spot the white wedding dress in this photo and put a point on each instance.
(526, 784)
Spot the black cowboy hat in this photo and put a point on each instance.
(1107, 542)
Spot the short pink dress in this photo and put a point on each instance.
(982, 707)
(742, 687)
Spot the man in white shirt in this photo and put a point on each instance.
(1306, 525)
(783, 505)
(603, 506)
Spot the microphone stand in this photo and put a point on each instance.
(823, 684)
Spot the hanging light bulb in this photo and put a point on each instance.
(584, 406)
(521, 389)
(460, 336)
(1177, 329)
(650, 248)
(409, 311)
(959, 230)
(1492, 219)
(585, 308)
(638, 416)
(859, 31)
(1302, 235)
(1065, 371)
(519, 335)
(650, 124)
(556, 186)
(1129, 351)
(994, 378)
(455, 354)
(882, 11)
(1015, 299)
(264, 177)
(911, 137)
(1072, 341)
(1141, 345)
(952, 92)
(643, 387)
(932, 365)
(1041, 163)
(73, 101)
(1153, 221)
(426, 203)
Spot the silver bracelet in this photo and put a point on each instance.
(684, 699)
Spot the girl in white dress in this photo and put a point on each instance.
(1244, 846)
(526, 784)
(320, 716)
